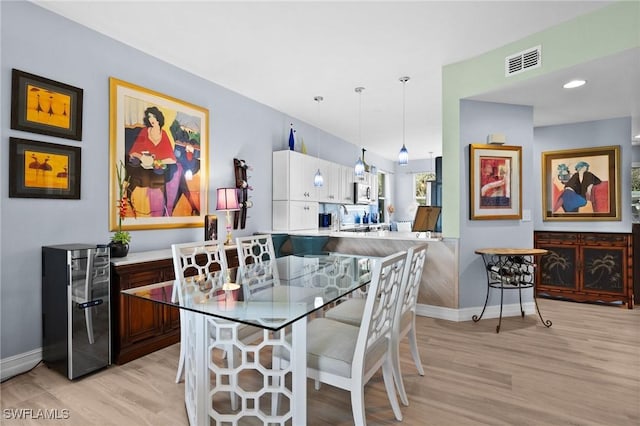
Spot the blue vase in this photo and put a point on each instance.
(291, 140)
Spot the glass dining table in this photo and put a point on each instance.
(275, 298)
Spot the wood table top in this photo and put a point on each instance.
(513, 251)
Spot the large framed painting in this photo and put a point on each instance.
(44, 106)
(163, 144)
(495, 182)
(43, 170)
(581, 184)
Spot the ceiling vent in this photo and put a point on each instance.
(523, 61)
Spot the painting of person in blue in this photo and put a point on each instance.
(577, 190)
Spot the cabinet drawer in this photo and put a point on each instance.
(557, 238)
(619, 240)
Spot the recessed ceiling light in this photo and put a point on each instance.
(637, 136)
(574, 83)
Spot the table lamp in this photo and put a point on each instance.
(227, 202)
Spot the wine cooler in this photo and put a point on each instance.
(76, 323)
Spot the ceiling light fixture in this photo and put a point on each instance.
(359, 167)
(403, 156)
(431, 173)
(574, 83)
(318, 180)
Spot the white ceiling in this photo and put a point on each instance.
(282, 54)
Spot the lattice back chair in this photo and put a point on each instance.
(255, 249)
(204, 264)
(347, 356)
(405, 322)
(197, 261)
(351, 310)
(258, 278)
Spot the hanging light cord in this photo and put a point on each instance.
(359, 90)
(404, 106)
(318, 99)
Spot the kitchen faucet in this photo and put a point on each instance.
(339, 218)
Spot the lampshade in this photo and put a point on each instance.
(403, 156)
(318, 180)
(359, 168)
(227, 199)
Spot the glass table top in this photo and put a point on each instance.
(271, 294)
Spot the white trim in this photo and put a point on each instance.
(466, 314)
(21, 363)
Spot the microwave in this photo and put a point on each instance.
(361, 193)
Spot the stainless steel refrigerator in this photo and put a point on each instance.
(76, 323)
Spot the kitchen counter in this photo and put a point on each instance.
(390, 235)
(439, 284)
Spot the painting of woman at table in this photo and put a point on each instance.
(158, 177)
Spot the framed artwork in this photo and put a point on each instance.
(43, 170)
(210, 227)
(44, 106)
(163, 144)
(581, 184)
(495, 182)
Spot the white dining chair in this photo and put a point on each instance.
(255, 249)
(347, 356)
(204, 262)
(351, 310)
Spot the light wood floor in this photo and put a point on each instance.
(584, 370)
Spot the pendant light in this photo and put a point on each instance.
(431, 173)
(318, 180)
(403, 156)
(359, 167)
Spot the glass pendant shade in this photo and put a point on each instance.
(359, 168)
(403, 156)
(318, 180)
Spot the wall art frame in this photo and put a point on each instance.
(43, 170)
(44, 106)
(495, 182)
(581, 184)
(164, 144)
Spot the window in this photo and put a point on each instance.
(422, 187)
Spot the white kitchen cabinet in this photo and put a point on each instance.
(329, 192)
(294, 215)
(346, 184)
(293, 174)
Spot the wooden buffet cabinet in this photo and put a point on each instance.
(139, 327)
(586, 266)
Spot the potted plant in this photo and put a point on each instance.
(119, 245)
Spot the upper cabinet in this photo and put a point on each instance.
(293, 176)
(329, 192)
(346, 184)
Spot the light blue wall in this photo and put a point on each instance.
(40, 42)
(404, 197)
(477, 120)
(585, 135)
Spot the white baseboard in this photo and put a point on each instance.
(17, 364)
(466, 314)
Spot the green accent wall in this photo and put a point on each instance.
(610, 30)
